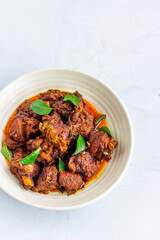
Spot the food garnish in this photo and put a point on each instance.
(40, 107)
(72, 98)
(31, 158)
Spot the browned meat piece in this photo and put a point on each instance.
(25, 174)
(23, 127)
(45, 144)
(57, 154)
(52, 96)
(50, 155)
(81, 122)
(64, 108)
(47, 181)
(56, 132)
(31, 127)
(46, 152)
(81, 104)
(45, 156)
(33, 144)
(17, 130)
(70, 181)
(12, 144)
(83, 163)
(99, 142)
(112, 143)
(25, 107)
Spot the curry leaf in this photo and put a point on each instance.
(72, 98)
(81, 145)
(31, 158)
(98, 119)
(105, 129)
(6, 152)
(61, 165)
(40, 107)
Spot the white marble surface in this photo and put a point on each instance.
(119, 42)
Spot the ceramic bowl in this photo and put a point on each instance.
(104, 99)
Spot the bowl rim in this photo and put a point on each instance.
(130, 150)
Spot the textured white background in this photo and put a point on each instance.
(118, 41)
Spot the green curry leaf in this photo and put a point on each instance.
(31, 158)
(40, 107)
(72, 98)
(81, 145)
(105, 129)
(6, 152)
(61, 165)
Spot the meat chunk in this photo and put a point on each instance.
(50, 155)
(47, 180)
(83, 163)
(16, 130)
(25, 174)
(64, 109)
(31, 127)
(70, 181)
(33, 144)
(81, 122)
(56, 132)
(46, 155)
(112, 143)
(81, 104)
(12, 144)
(23, 127)
(52, 96)
(25, 107)
(100, 141)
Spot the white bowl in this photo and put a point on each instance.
(104, 99)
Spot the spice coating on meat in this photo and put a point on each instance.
(83, 163)
(52, 96)
(112, 143)
(46, 151)
(25, 174)
(33, 144)
(47, 180)
(23, 127)
(16, 130)
(81, 104)
(12, 144)
(70, 181)
(56, 132)
(81, 122)
(99, 141)
(64, 109)
(25, 107)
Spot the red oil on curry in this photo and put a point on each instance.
(90, 109)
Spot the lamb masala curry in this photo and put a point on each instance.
(57, 141)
